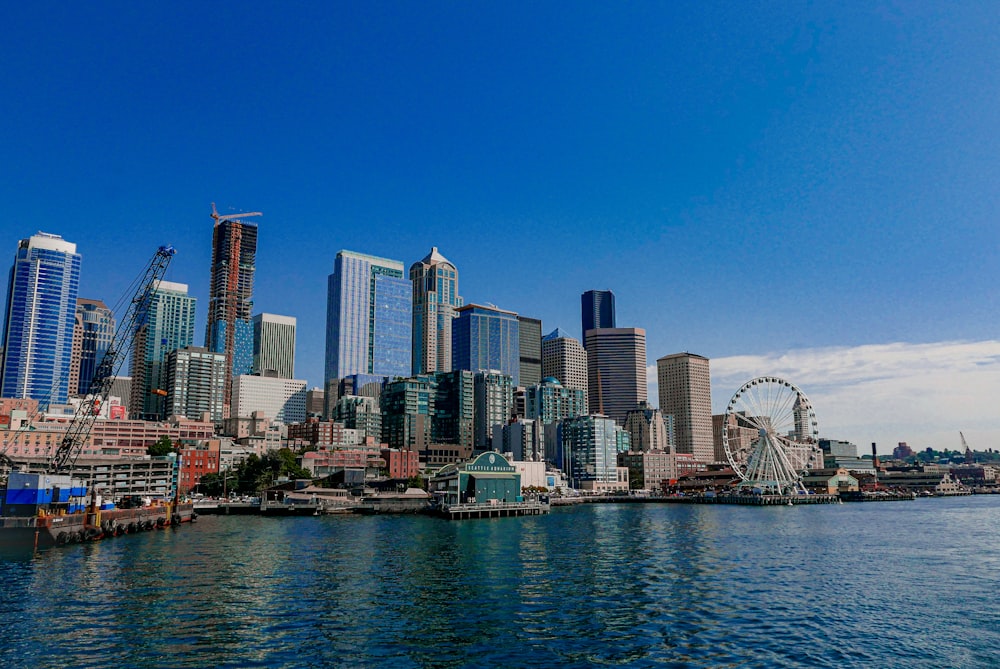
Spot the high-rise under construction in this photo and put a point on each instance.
(230, 301)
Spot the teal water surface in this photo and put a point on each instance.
(902, 584)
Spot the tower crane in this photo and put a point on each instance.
(235, 217)
(79, 429)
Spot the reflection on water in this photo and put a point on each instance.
(889, 585)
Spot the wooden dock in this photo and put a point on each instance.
(467, 511)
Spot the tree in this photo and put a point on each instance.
(415, 482)
(163, 446)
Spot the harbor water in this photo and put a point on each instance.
(907, 584)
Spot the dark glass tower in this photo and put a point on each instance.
(597, 310)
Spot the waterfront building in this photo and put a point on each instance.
(107, 438)
(282, 399)
(360, 413)
(494, 398)
(435, 299)
(839, 454)
(363, 458)
(488, 478)
(588, 452)
(616, 370)
(521, 438)
(529, 333)
(830, 481)
(400, 464)
(486, 338)
(564, 359)
(368, 317)
(649, 429)
(195, 383)
(166, 325)
(550, 401)
(649, 469)
(195, 461)
(93, 330)
(230, 298)
(40, 315)
(274, 346)
(597, 311)
(685, 390)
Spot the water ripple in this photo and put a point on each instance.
(894, 585)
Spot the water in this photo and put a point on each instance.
(901, 584)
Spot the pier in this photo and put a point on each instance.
(502, 510)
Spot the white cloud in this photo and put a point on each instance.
(923, 394)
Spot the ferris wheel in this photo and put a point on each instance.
(770, 435)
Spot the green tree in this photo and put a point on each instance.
(163, 446)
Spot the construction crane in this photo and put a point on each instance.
(100, 386)
(234, 217)
(966, 451)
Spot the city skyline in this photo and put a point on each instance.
(796, 191)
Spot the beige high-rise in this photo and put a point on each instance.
(435, 299)
(685, 388)
(564, 359)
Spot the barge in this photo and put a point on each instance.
(42, 510)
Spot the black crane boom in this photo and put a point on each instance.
(90, 407)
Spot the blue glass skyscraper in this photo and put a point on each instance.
(368, 317)
(96, 326)
(486, 339)
(41, 309)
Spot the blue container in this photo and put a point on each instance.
(28, 496)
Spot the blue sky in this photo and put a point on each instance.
(748, 180)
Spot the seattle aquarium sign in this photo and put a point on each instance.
(490, 462)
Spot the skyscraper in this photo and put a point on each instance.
(564, 359)
(92, 334)
(616, 371)
(494, 397)
(38, 332)
(368, 317)
(529, 336)
(435, 299)
(194, 379)
(274, 346)
(166, 326)
(486, 338)
(230, 296)
(597, 310)
(685, 389)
